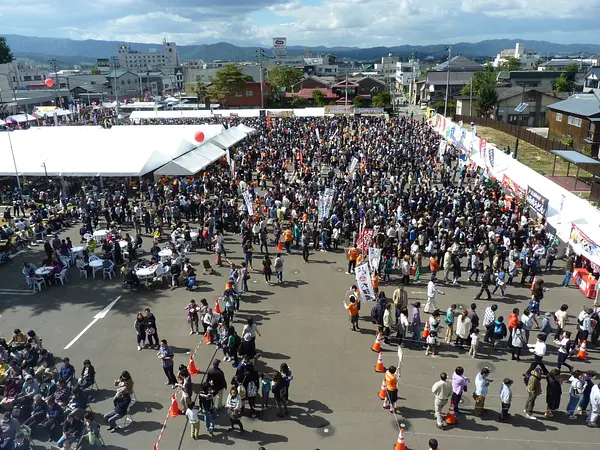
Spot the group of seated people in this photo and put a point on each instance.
(175, 273)
(56, 266)
(38, 396)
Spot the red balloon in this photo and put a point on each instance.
(199, 136)
(49, 82)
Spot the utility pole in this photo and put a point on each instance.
(114, 68)
(447, 79)
(471, 98)
(259, 54)
(413, 81)
(54, 63)
(346, 98)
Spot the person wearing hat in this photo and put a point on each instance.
(534, 389)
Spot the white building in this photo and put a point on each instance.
(21, 75)
(165, 61)
(527, 58)
(406, 72)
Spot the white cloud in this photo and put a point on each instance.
(360, 23)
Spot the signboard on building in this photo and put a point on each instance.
(339, 109)
(279, 46)
(368, 111)
(537, 202)
(103, 62)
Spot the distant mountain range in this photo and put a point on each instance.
(69, 51)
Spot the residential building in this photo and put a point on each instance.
(386, 71)
(537, 99)
(528, 78)
(165, 59)
(21, 75)
(406, 72)
(592, 79)
(365, 88)
(577, 117)
(457, 81)
(123, 83)
(311, 82)
(89, 94)
(249, 97)
(559, 64)
(459, 63)
(307, 94)
(195, 72)
(527, 58)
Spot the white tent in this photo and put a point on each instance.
(2, 122)
(245, 129)
(236, 133)
(20, 118)
(194, 161)
(95, 151)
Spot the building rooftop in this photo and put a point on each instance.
(586, 105)
(437, 78)
(509, 92)
(459, 62)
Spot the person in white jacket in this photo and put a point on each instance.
(595, 406)
(432, 289)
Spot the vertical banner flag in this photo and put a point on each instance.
(363, 281)
(353, 164)
(491, 155)
(318, 134)
(365, 239)
(562, 203)
(248, 201)
(374, 258)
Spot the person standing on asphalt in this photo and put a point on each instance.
(415, 323)
(595, 406)
(489, 317)
(505, 399)
(305, 245)
(279, 386)
(151, 329)
(140, 330)
(569, 267)
(166, 355)
(534, 389)
(352, 257)
(481, 390)
(234, 409)
(486, 280)
(442, 392)
(216, 380)
(192, 316)
(459, 386)
(205, 399)
(352, 308)
(391, 389)
(432, 289)
(278, 266)
(539, 351)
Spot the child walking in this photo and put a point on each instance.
(474, 343)
(192, 415)
(505, 399)
(265, 381)
(432, 343)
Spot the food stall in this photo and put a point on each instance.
(589, 252)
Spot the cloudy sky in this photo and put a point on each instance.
(361, 23)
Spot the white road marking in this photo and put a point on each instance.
(101, 315)
(16, 292)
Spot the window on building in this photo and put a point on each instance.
(26, 78)
(249, 93)
(37, 77)
(575, 121)
(237, 94)
(559, 117)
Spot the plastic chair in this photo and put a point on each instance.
(83, 273)
(62, 276)
(126, 419)
(66, 260)
(109, 271)
(38, 283)
(93, 258)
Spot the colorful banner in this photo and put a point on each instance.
(491, 156)
(353, 164)
(374, 258)
(248, 201)
(363, 281)
(368, 111)
(365, 239)
(537, 202)
(583, 245)
(339, 109)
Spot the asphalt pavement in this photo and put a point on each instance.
(334, 403)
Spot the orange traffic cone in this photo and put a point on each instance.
(377, 344)
(582, 354)
(379, 366)
(401, 443)
(217, 307)
(192, 369)
(279, 246)
(451, 417)
(383, 390)
(174, 410)
(426, 330)
(206, 338)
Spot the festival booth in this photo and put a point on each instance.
(544, 198)
(95, 151)
(589, 252)
(193, 162)
(21, 118)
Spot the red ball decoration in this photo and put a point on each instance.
(49, 82)
(199, 136)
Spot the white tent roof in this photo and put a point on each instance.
(194, 161)
(236, 133)
(2, 122)
(226, 139)
(22, 118)
(50, 112)
(245, 129)
(94, 151)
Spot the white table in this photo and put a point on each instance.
(194, 235)
(165, 254)
(95, 265)
(146, 274)
(78, 249)
(123, 244)
(42, 271)
(100, 234)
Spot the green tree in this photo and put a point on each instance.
(382, 99)
(510, 64)
(481, 78)
(6, 55)
(487, 98)
(358, 102)
(566, 81)
(298, 102)
(284, 77)
(562, 84)
(95, 71)
(229, 80)
(318, 97)
(200, 91)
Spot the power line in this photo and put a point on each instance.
(447, 79)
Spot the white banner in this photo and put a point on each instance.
(374, 258)
(325, 202)
(318, 134)
(353, 164)
(248, 201)
(363, 281)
